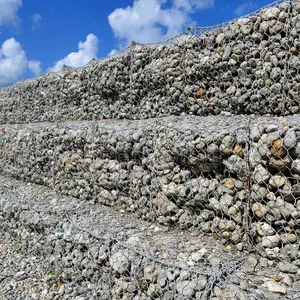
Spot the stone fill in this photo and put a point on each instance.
(63, 248)
(169, 171)
(246, 66)
(231, 176)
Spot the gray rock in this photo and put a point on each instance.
(277, 181)
(236, 164)
(272, 253)
(271, 128)
(276, 73)
(264, 229)
(227, 145)
(286, 267)
(154, 290)
(276, 88)
(226, 201)
(288, 238)
(255, 158)
(201, 283)
(296, 166)
(261, 175)
(120, 261)
(172, 274)
(270, 241)
(250, 264)
(296, 151)
(263, 262)
(186, 288)
(290, 139)
(164, 205)
(220, 38)
(271, 13)
(254, 133)
(260, 192)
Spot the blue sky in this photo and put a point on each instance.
(37, 36)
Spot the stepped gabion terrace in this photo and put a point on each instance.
(168, 171)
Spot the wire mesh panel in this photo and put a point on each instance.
(202, 175)
(11, 101)
(293, 63)
(70, 162)
(9, 150)
(196, 73)
(116, 85)
(180, 199)
(43, 100)
(103, 254)
(237, 182)
(274, 190)
(72, 91)
(118, 150)
(248, 65)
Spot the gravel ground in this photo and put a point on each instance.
(21, 273)
(44, 255)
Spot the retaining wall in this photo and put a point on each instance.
(223, 175)
(247, 66)
(64, 248)
(102, 254)
(233, 179)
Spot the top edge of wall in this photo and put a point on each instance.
(190, 31)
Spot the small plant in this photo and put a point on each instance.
(18, 250)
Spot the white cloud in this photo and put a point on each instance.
(8, 11)
(36, 20)
(112, 52)
(150, 20)
(192, 5)
(13, 61)
(86, 51)
(245, 8)
(35, 67)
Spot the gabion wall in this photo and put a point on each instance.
(64, 248)
(176, 157)
(236, 177)
(246, 66)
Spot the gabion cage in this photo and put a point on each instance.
(168, 171)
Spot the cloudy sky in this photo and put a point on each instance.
(39, 36)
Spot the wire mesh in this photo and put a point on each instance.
(199, 208)
(249, 65)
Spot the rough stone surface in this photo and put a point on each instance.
(247, 66)
(288, 268)
(170, 170)
(38, 262)
(161, 205)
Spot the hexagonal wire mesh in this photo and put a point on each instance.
(206, 191)
(248, 65)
